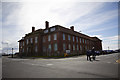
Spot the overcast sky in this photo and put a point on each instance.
(92, 18)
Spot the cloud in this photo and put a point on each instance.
(35, 14)
(101, 29)
(111, 38)
(91, 21)
(111, 42)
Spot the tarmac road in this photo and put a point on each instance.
(105, 66)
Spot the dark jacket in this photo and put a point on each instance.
(93, 52)
(88, 53)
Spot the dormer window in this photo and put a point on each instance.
(52, 29)
(46, 31)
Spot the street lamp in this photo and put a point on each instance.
(108, 47)
(12, 52)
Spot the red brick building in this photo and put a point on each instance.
(55, 41)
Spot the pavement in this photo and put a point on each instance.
(105, 66)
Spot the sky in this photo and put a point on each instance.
(93, 18)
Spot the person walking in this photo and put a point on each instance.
(93, 53)
(88, 55)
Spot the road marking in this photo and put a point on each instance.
(108, 62)
(49, 64)
(34, 64)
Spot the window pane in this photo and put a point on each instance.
(23, 43)
(31, 40)
(80, 40)
(27, 41)
(76, 39)
(36, 39)
(27, 49)
(68, 37)
(23, 49)
(55, 36)
(36, 49)
(77, 47)
(73, 39)
(64, 47)
(52, 29)
(44, 49)
(49, 47)
(49, 38)
(46, 31)
(55, 47)
(63, 36)
(69, 46)
(80, 47)
(73, 47)
(44, 39)
(83, 40)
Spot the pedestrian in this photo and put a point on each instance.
(93, 53)
(88, 55)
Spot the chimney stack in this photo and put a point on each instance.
(72, 28)
(46, 24)
(33, 29)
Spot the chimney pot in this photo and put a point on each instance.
(72, 28)
(46, 24)
(33, 29)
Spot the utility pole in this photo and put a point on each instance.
(12, 52)
(108, 47)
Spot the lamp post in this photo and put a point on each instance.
(108, 47)
(12, 52)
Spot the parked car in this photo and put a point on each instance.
(103, 52)
(97, 53)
